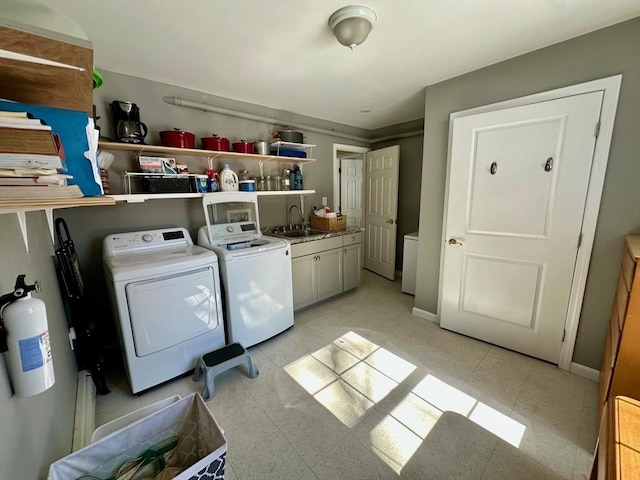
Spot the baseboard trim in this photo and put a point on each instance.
(432, 317)
(85, 416)
(586, 372)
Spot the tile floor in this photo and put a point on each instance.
(361, 389)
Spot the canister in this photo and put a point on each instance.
(201, 183)
(247, 185)
(285, 182)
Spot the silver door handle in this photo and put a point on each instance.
(453, 241)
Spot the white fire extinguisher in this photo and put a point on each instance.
(24, 333)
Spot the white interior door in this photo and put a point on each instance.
(381, 210)
(351, 191)
(516, 196)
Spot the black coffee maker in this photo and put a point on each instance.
(126, 122)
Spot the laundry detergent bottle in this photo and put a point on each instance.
(228, 179)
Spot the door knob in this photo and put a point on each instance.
(453, 241)
(389, 220)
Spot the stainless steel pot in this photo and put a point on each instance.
(261, 148)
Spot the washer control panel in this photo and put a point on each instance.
(130, 242)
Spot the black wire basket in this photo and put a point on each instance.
(168, 184)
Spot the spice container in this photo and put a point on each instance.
(268, 185)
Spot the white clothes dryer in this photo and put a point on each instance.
(165, 293)
(255, 270)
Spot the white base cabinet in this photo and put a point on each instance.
(351, 261)
(324, 268)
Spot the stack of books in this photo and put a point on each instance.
(31, 159)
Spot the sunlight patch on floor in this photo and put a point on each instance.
(352, 374)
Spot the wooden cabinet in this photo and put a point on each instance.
(351, 260)
(620, 365)
(618, 453)
(324, 268)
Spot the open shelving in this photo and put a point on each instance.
(193, 152)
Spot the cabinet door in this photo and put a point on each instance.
(351, 266)
(303, 270)
(329, 273)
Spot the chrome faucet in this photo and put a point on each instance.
(289, 215)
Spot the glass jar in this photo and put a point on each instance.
(277, 183)
(244, 175)
(260, 184)
(268, 184)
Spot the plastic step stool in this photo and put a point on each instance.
(214, 363)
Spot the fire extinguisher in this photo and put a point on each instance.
(25, 335)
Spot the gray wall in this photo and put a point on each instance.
(37, 430)
(603, 53)
(89, 226)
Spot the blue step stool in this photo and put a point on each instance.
(213, 363)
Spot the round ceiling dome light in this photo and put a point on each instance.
(352, 24)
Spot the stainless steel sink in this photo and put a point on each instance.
(300, 233)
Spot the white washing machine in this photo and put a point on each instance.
(165, 292)
(255, 270)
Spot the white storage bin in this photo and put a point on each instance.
(201, 447)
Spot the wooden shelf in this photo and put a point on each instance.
(138, 148)
(11, 206)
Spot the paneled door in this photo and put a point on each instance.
(517, 188)
(351, 191)
(381, 210)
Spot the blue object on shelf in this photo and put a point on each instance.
(286, 152)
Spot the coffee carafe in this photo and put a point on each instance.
(126, 122)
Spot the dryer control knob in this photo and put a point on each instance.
(147, 238)
(229, 228)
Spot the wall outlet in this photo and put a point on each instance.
(324, 201)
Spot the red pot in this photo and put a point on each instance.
(216, 143)
(243, 147)
(178, 138)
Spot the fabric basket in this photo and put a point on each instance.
(201, 448)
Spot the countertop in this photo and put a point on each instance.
(269, 231)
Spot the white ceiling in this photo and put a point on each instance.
(281, 53)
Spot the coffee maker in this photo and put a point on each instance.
(126, 122)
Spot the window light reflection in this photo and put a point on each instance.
(352, 374)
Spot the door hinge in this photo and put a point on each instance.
(564, 335)
(579, 239)
(597, 133)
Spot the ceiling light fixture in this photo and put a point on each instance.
(352, 24)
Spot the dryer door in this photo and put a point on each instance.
(167, 311)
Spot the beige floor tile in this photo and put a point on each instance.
(392, 412)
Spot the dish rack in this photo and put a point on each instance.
(133, 182)
(329, 224)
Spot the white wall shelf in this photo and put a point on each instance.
(192, 152)
(143, 197)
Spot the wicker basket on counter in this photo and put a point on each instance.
(329, 224)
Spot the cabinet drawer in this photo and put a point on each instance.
(628, 268)
(315, 246)
(351, 239)
(614, 333)
(622, 300)
(605, 374)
